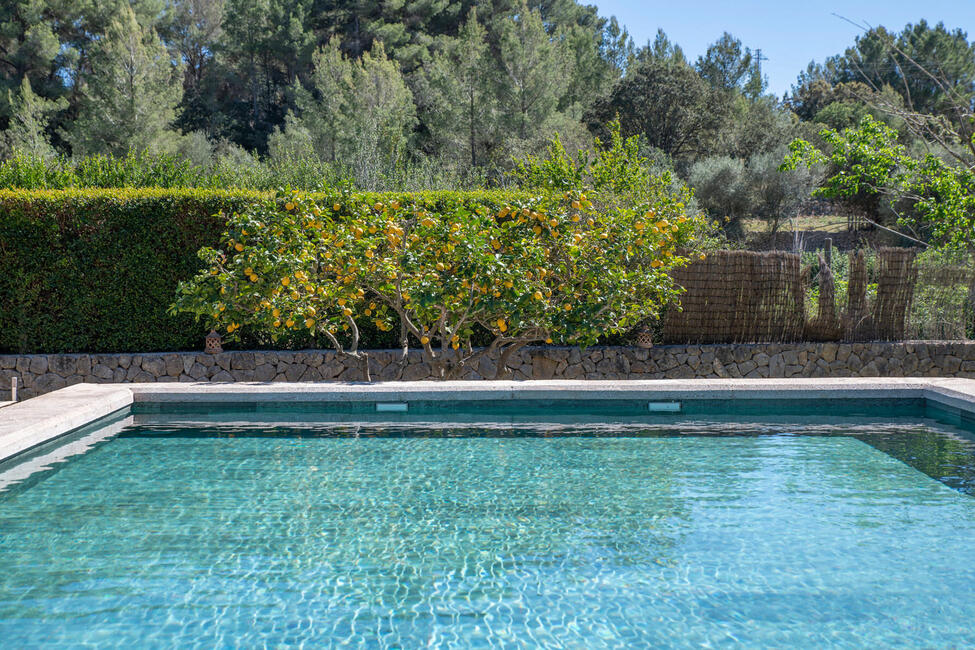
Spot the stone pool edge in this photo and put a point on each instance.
(39, 420)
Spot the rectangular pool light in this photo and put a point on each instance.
(663, 407)
(391, 407)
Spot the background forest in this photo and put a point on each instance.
(410, 94)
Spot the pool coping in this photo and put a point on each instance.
(33, 422)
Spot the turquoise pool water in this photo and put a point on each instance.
(571, 536)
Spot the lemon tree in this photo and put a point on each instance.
(274, 272)
(562, 268)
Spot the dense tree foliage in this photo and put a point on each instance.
(414, 93)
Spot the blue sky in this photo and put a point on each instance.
(790, 33)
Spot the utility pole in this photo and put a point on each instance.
(758, 68)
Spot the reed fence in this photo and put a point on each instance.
(760, 297)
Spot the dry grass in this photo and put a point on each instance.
(820, 223)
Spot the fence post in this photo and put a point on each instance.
(828, 252)
(13, 389)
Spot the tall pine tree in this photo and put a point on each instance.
(28, 123)
(131, 93)
(535, 76)
(459, 103)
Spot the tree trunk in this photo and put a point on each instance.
(503, 372)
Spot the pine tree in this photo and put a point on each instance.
(459, 99)
(131, 93)
(382, 113)
(326, 111)
(29, 120)
(263, 47)
(191, 30)
(535, 75)
(358, 113)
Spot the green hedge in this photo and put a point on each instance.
(96, 270)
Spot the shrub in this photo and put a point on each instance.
(729, 187)
(721, 187)
(224, 166)
(96, 270)
(541, 268)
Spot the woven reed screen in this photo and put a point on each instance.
(896, 277)
(750, 297)
(738, 297)
(943, 305)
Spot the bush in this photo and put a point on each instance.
(224, 166)
(721, 187)
(96, 270)
(730, 187)
(562, 267)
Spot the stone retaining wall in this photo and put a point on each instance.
(43, 373)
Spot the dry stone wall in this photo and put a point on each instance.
(43, 373)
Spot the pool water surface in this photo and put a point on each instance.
(169, 534)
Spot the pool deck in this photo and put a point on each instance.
(35, 421)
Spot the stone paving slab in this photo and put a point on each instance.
(33, 422)
(41, 419)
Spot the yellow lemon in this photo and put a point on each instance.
(289, 206)
(424, 340)
(285, 281)
(309, 323)
(238, 247)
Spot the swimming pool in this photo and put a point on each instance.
(237, 525)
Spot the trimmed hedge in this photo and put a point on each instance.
(96, 270)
